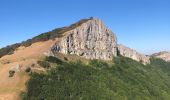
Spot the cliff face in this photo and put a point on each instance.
(130, 53)
(162, 55)
(92, 40)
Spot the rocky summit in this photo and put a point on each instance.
(93, 40)
(164, 55)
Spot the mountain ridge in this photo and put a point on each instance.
(42, 37)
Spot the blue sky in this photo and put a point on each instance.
(143, 25)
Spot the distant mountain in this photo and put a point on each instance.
(164, 55)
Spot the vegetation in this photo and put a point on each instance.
(8, 50)
(44, 64)
(28, 69)
(124, 79)
(52, 59)
(11, 73)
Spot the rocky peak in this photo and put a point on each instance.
(164, 55)
(133, 54)
(92, 40)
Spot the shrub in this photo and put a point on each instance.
(28, 69)
(8, 50)
(32, 65)
(11, 73)
(53, 59)
(44, 64)
(98, 64)
(65, 58)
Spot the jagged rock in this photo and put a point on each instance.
(92, 40)
(130, 53)
(162, 55)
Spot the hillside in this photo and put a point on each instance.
(22, 58)
(56, 33)
(122, 79)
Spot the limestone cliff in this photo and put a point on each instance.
(130, 53)
(162, 55)
(92, 40)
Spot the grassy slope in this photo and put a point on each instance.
(124, 79)
(56, 33)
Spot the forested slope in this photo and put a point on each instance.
(122, 79)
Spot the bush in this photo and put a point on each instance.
(65, 58)
(32, 65)
(8, 50)
(11, 73)
(28, 69)
(26, 43)
(44, 64)
(53, 59)
(98, 64)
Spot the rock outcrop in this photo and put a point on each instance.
(162, 55)
(130, 53)
(92, 40)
